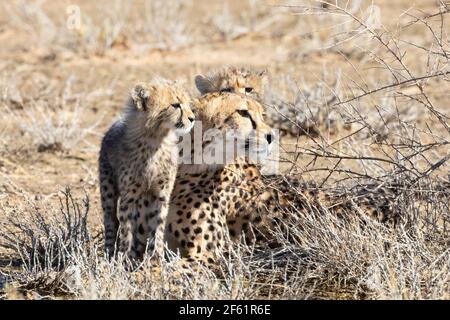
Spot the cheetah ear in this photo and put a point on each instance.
(140, 95)
(204, 84)
(263, 73)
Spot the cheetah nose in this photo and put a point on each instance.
(191, 119)
(269, 138)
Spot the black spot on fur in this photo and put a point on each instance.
(198, 230)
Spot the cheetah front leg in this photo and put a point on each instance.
(142, 225)
(152, 227)
(128, 218)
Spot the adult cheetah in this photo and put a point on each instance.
(208, 198)
(214, 205)
(138, 163)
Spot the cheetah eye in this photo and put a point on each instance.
(226, 90)
(244, 113)
(176, 105)
(248, 89)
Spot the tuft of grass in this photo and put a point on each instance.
(56, 123)
(62, 130)
(301, 109)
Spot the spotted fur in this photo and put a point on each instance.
(213, 206)
(137, 166)
(207, 197)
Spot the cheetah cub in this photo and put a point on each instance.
(233, 79)
(138, 164)
(288, 119)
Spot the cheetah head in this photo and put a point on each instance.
(222, 114)
(234, 80)
(164, 105)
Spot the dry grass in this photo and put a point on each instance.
(162, 24)
(322, 256)
(50, 116)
